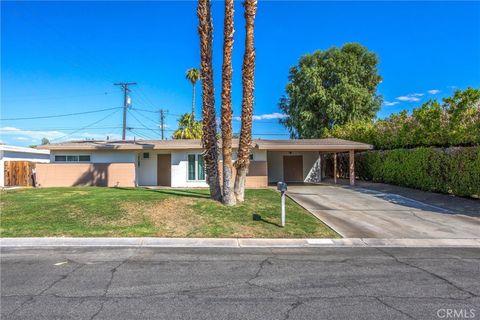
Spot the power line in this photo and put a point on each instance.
(142, 93)
(58, 115)
(87, 126)
(142, 135)
(145, 117)
(141, 99)
(144, 110)
(138, 120)
(179, 115)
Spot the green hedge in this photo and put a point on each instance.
(453, 170)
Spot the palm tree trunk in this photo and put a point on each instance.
(209, 138)
(228, 196)
(248, 70)
(193, 102)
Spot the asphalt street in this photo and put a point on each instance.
(214, 283)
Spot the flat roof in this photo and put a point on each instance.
(328, 144)
(5, 147)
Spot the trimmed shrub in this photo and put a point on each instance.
(453, 170)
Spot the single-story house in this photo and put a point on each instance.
(14, 161)
(179, 163)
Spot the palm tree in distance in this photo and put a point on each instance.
(248, 70)
(188, 128)
(193, 75)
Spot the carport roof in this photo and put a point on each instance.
(329, 144)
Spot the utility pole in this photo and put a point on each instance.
(126, 90)
(162, 120)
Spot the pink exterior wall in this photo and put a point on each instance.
(257, 176)
(85, 174)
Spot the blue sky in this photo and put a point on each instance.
(63, 57)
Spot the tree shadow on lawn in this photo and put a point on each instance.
(174, 192)
(182, 193)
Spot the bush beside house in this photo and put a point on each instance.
(434, 148)
(454, 170)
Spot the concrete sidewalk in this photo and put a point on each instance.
(233, 242)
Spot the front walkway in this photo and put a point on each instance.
(358, 212)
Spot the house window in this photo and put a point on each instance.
(146, 155)
(191, 167)
(72, 158)
(196, 167)
(201, 167)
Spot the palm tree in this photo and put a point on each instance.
(209, 137)
(248, 70)
(193, 75)
(188, 128)
(228, 196)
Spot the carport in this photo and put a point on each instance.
(303, 161)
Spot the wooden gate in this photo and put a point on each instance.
(18, 173)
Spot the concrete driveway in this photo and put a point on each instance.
(363, 213)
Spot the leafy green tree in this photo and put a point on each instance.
(463, 110)
(45, 141)
(329, 88)
(188, 128)
(454, 121)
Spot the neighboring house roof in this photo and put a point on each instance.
(5, 147)
(329, 144)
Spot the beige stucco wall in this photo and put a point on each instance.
(256, 176)
(85, 174)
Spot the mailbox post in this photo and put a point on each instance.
(282, 187)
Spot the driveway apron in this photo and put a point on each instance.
(362, 213)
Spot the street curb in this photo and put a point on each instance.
(232, 242)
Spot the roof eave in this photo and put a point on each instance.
(315, 148)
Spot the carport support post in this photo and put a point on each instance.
(335, 167)
(352, 167)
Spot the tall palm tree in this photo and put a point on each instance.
(209, 138)
(188, 128)
(193, 75)
(248, 70)
(228, 196)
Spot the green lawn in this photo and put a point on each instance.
(123, 212)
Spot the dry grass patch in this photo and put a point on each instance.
(173, 216)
